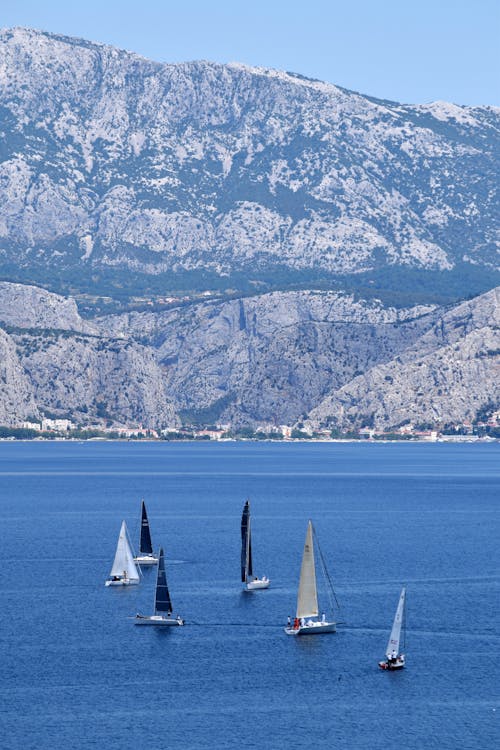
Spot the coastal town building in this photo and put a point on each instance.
(57, 425)
(31, 426)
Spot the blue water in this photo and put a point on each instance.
(76, 673)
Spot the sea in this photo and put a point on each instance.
(77, 673)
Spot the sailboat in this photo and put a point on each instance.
(307, 612)
(124, 571)
(146, 555)
(162, 603)
(251, 582)
(395, 660)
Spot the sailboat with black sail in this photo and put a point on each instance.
(124, 571)
(394, 659)
(249, 580)
(306, 617)
(146, 555)
(162, 615)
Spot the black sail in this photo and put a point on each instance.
(246, 544)
(145, 545)
(162, 600)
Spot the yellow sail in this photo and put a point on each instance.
(307, 598)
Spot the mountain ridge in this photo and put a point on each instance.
(114, 163)
(323, 359)
(278, 250)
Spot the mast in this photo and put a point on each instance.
(246, 544)
(307, 597)
(145, 547)
(394, 638)
(163, 602)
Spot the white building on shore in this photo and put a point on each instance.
(57, 425)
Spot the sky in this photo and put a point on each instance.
(408, 51)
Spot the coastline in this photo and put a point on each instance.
(285, 441)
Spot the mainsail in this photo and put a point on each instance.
(395, 636)
(307, 598)
(162, 598)
(123, 564)
(146, 548)
(246, 544)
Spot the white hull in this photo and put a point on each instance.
(315, 628)
(146, 560)
(258, 583)
(394, 664)
(122, 582)
(158, 620)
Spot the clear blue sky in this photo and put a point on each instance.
(416, 51)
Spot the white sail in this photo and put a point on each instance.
(307, 598)
(393, 645)
(123, 564)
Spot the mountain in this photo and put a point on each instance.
(55, 363)
(17, 402)
(217, 243)
(448, 375)
(267, 359)
(320, 358)
(127, 176)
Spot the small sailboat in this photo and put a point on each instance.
(124, 571)
(306, 618)
(250, 581)
(162, 605)
(395, 660)
(146, 555)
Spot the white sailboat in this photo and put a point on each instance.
(162, 605)
(124, 571)
(146, 555)
(249, 580)
(306, 618)
(395, 660)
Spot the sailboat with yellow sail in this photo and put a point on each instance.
(307, 620)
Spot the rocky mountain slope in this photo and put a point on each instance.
(128, 179)
(17, 402)
(24, 306)
(109, 161)
(446, 376)
(280, 358)
(54, 363)
(269, 358)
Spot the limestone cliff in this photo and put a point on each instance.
(279, 358)
(17, 402)
(446, 376)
